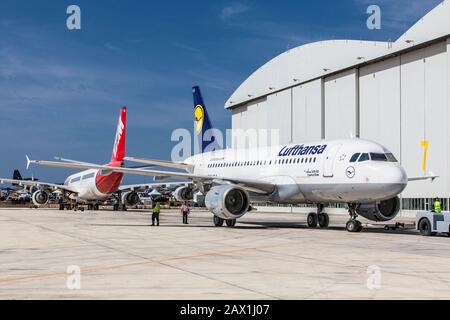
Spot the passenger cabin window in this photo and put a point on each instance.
(75, 180)
(89, 176)
(364, 157)
(355, 157)
(378, 157)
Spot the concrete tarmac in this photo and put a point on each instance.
(266, 256)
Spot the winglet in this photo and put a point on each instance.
(433, 176)
(28, 162)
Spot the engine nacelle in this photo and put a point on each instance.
(130, 199)
(40, 198)
(184, 194)
(380, 211)
(228, 202)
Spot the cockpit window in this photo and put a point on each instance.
(391, 157)
(364, 157)
(355, 157)
(378, 157)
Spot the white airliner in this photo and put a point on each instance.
(361, 174)
(92, 186)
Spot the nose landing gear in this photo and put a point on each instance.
(353, 225)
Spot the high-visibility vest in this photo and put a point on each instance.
(437, 207)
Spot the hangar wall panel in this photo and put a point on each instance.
(425, 117)
(262, 116)
(236, 117)
(279, 113)
(437, 118)
(447, 152)
(379, 86)
(251, 117)
(413, 114)
(307, 112)
(340, 105)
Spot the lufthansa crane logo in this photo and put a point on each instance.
(350, 172)
(199, 115)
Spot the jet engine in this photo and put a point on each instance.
(228, 202)
(40, 198)
(184, 194)
(380, 211)
(130, 198)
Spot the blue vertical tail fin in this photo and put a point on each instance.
(17, 175)
(205, 137)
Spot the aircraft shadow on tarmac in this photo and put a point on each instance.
(266, 226)
(192, 225)
(290, 225)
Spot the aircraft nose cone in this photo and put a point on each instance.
(401, 176)
(397, 180)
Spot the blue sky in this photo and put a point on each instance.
(61, 90)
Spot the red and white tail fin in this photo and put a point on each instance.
(118, 153)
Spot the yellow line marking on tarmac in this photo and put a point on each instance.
(149, 261)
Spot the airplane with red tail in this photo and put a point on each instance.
(92, 186)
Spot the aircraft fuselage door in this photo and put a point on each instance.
(328, 165)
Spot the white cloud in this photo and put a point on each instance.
(233, 10)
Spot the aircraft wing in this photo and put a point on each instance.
(248, 184)
(161, 163)
(38, 184)
(138, 187)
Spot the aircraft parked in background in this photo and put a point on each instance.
(91, 186)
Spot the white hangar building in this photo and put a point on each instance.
(394, 93)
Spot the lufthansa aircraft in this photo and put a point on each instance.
(361, 174)
(91, 186)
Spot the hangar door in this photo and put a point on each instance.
(307, 112)
(425, 116)
(340, 105)
(379, 86)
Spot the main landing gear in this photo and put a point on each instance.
(320, 218)
(93, 207)
(119, 205)
(218, 222)
(353, 225)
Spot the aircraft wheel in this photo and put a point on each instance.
(360, 228)
(116, 207)
(61, 206)
(231, 223)
(324, 220)
(312, 220)
(218, 222)
(353, 226)
(96, 207)
(425, 228)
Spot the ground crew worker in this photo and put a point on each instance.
(437, 206)
(185, 210)
(155, 215)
